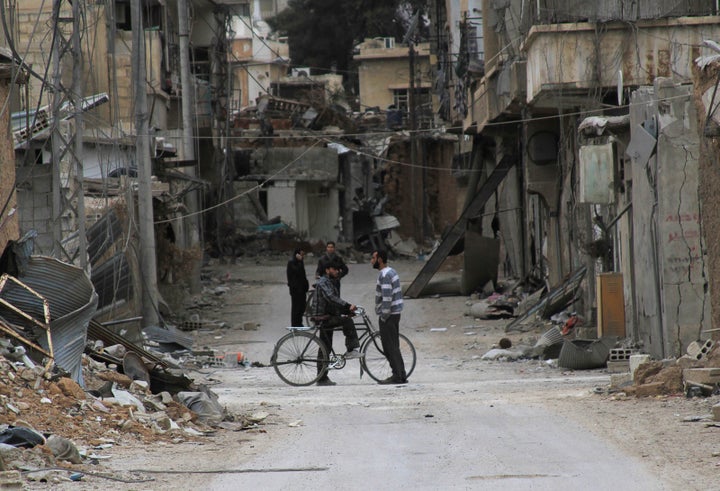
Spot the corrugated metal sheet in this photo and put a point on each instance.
(113, 280)
(103, 234)
(72, 300)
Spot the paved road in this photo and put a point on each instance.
(459, 424)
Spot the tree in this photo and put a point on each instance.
(323, 33)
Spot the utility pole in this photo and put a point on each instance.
(192, 235)
(77, 100)
(56, 140)
(148, 266)
(68, 204)
(413, 146)
(418, 208)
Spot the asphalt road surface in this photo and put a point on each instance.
(460, 423)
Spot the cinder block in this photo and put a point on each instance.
(618, 366)
(707, 376)
(617, 354)
(700, 349)
(636, 361)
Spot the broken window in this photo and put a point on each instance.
(152, 15)
(201, 63)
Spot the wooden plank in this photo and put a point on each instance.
(458, 230)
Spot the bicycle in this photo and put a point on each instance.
(301, 358)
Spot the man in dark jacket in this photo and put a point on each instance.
(298, 284)
(331, 256)
(333, 310)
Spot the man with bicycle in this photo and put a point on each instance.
(333, 311)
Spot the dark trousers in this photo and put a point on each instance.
(297, 309)
(348, 328)
(390, 336)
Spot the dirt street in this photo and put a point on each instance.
(461, 422)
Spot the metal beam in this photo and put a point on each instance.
(458, 230)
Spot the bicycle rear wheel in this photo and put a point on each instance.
(375, 363)
(300, 358)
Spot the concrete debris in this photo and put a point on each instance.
(502, 354)
(125, 398)
(636, 360)
(204, 405)
(258, 417)
(495, 306)
(403, 247)
(716, 412)
(42, 410)
(63, 449)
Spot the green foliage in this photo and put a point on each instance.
(323, 33)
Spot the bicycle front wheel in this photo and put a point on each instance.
(375, 363)
(300, 358)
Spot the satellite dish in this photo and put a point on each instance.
(620, 88)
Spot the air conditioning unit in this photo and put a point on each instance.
(300, 72)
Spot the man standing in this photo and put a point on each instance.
(298, 283)
(330, 256)
(330, 308)
(388, 305)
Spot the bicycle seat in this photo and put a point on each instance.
(319, 318)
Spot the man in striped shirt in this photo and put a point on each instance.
(388, 305)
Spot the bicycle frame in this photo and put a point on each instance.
(301, 357)
(361, 321)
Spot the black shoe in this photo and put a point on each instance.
(325, 381)
(393, 381)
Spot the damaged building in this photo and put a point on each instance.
(592, 109)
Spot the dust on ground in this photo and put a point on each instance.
(672, 433)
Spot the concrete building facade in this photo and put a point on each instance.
(597, 105)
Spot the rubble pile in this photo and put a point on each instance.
(48, 421)
(695, 374)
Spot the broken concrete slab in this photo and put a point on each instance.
(704, 376)
(716, 412)
(637, 360)
(63, 449)
(618, 366)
